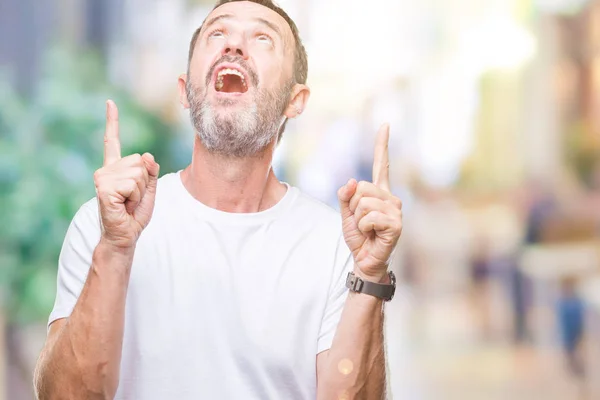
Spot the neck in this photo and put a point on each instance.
(236, 185)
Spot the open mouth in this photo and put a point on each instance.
(230, 80)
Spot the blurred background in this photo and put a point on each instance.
(495, 150)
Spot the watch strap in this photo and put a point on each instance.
(379, 290)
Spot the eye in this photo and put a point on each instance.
(217, 33)
(264, 38)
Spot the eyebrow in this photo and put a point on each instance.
(262, 21)
(270, 25)
(216, 19)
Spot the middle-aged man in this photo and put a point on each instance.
(220, 281)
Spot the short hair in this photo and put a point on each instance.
(300, 57)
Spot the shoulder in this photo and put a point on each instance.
(88, 215)
(171, 197)
(168, 184)
(82, 236)
(314, 211)
(169, 187)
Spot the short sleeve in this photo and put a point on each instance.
(343, 263)
(75, 259)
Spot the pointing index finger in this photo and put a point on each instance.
(381, 162)
(112, 143)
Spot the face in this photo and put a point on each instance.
(239, 87)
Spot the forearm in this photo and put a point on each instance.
(83, 361)
(355, 364)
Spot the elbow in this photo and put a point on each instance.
(338, 389)
(38, 386)
(93, 382)
(42, 383)
(110, 384)
(334, 386)
(363, 384)
(100, 381)
(64, 373)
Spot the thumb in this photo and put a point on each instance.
(153, 170)
(143, 212)
(345, 193)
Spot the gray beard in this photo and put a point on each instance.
(241, 133)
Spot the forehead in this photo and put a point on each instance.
(247, 11)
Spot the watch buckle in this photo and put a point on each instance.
(354, 283)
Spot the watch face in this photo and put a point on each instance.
(393, 283)
(392, 278)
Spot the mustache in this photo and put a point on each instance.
(233, 60)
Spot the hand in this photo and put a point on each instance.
(372, 216)
(126, 187)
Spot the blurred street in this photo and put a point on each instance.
(436, 352)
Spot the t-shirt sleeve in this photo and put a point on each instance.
(75, 259)
(338, 292)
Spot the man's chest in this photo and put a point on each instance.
(227, 297)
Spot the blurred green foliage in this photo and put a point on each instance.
(50, 146)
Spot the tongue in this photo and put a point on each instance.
(232, 84)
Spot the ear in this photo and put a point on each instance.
(298, 100)
(183, 98)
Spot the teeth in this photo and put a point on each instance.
(229, 71)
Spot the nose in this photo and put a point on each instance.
(235, 46)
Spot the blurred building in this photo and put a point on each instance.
(31, 27)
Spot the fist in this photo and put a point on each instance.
(372, 216)
(126, 187)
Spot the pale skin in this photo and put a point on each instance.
(82, 353)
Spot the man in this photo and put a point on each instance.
(219, 281)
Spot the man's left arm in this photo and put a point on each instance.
(354, 366)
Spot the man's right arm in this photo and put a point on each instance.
(82, 354)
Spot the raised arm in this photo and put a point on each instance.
(82, 354)
(354, 366)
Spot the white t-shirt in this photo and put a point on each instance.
(221, 305)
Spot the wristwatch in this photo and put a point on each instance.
(380, 290)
